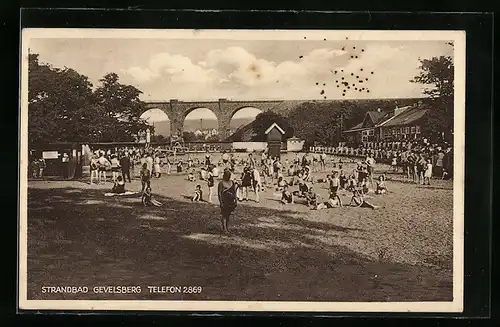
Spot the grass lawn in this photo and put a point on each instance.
(400, 252)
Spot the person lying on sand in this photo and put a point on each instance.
(358, 200)
(334, 201)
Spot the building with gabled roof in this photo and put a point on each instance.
(402, 123)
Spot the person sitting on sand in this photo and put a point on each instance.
(280, 184)
(303, 189)
(286, 196)
(351, 183)
(358, 200)
(364, 185)
(381, 187)
(119, 185)
(198, 194)
(307, 174)
(148, 199)
(311, 198)
(333, 202)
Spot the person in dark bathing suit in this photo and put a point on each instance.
(227, 198)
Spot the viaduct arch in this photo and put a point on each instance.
(223, 109)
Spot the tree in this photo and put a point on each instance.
(63, 107)
(60, 104)
(159, 139)
(437, 75)
(318, 122)
(188, 136)
(264, 120)
(121, 109)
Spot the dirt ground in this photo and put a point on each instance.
(400, 252)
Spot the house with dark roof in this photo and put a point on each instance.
(402, 123)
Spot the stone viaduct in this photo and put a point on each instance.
(223, 109)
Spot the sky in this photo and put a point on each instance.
(209, 69)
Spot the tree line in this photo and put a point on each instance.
(64, 106)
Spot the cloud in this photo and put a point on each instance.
(234, 72)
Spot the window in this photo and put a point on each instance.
(407, 130)
(413, 129)
(370, 132)
(417, 129)
(393, 131)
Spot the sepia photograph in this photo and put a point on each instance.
(242, 170)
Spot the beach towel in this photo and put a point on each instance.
(113, 194)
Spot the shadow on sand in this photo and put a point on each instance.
(79, 237)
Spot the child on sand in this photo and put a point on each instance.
(286, 196)
(145, 177)
(381, 187)
(311, 198)
(148, 199)
(191, 177)
(343, 180)
(428, 173)
(281, 184)
(119, 186)
(198, 194)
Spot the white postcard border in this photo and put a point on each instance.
(458, 37)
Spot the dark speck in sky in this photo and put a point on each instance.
(354, 47)
(338, 85)
(352, 56)
(352, 74)
(325, 97)
(362, 50)
(356, 56)
(324, 84)
(324, 40)
(357, 76)
(366, 78)
(305, 37)
(372, 72)
(322, 92)
(317, 83)
(361, 69)
(342, 78)
(301, 57)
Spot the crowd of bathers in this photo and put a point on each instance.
(254, 172)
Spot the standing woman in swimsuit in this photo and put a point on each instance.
(227, 198)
